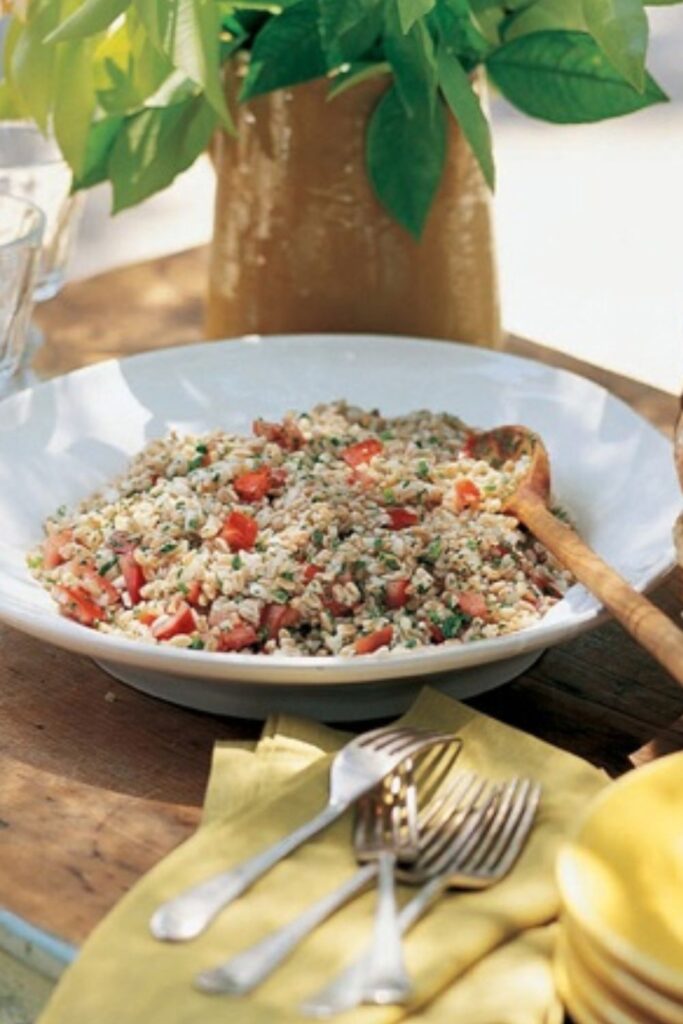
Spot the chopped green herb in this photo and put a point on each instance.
(335, 441)
(433, 439)
(35, 561)
(260, 546)
(182, 588)
(195, 463)
(104, 569)
(560, 513)
(454, 624)
(193, 523)
(391, 562)
(472, 545)
(61, 511)
(377, 544)
(281, 595)
(287, 575)
(388, 495)
(387, 435)
(167, 548)
(196, 644)
(359, 567)
(422, 469)
(202, 449)
(432, 553)
(411, 643)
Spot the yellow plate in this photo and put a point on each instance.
(621, 878)
(609, 979)
(585, 993)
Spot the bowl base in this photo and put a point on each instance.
(327, 703)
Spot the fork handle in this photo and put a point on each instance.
(187, 915)
(353, 985)
(386, 973)
(243, 972)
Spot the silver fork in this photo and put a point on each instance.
(475, 854)
(249, 968)
(357, 767)
(386, 832)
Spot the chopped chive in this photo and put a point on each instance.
(236, 562)
(166, 548)
(422, 469)
(104, 569)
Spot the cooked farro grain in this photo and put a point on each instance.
(338, 531)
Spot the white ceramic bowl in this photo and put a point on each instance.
(64, 438)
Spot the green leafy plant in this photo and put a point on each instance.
(133, 89)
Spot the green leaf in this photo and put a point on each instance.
(31, 67)
(410, 11)
(405, 157)
(91, 17)
(187, 32)
(74, 99)
(286, 51)
(466, 108)
(156, 145)
(546, 14)
(348, 28)
(620, 29)
(357, 73)
(565, 77)
(413, 62)
(456, 27)
(10, 106)
(99, 144)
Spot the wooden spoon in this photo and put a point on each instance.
(529, 503)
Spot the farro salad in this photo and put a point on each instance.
(335, 532)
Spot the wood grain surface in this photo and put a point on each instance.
(98, 782)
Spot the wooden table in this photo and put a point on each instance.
(98, 782)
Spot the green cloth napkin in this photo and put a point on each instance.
(488, 941)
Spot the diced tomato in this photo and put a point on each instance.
(278, 478)
(373, 641)
(545, 584)
(473, 604)
(77, 604)
(193, 593)
(253, 486)
(469, 446)
(400, 518)
(278, 616)
(466, 494)
(147, 618)
(240, 531)
(336, 608)
(311, 571)
(133, 573)
(287, 434)
(52, 546)
(241, 635)
(397, 593)
(362, 451)
(182, 621)
(436, 633)
(96, 586)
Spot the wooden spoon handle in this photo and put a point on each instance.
(650, 627)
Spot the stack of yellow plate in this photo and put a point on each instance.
(620, 952)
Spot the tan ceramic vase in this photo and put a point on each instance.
(302, 244)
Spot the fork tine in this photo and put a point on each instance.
(411, 744)
(512, 805)
(516, 840)
(433, 767)
(375, 737)
(450, 812)
(454, 839)
(492, 828)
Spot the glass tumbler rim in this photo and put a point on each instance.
(29, 128)
(33, 234)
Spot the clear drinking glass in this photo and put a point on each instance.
(22, 226)
(32, 166)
